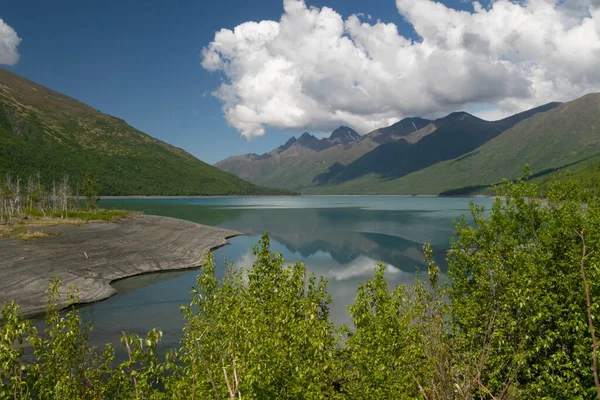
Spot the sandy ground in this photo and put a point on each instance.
(92, 256)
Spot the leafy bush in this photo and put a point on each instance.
(262, 333)
(520, 278)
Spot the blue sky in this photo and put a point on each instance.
(141, 61)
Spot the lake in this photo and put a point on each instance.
(339, 237)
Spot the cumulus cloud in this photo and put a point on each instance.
(9, 41)
(315, 70)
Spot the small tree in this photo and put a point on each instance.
(90, 191)
(29, 194)
(76, 200)
(39, 196)
(54, 198)
(3, 196)
(521, 275)
(64, 195)
(263, 333)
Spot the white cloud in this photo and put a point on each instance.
(315, 70)
(9, 41)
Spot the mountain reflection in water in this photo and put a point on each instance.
(338, 237)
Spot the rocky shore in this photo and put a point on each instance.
(93, 255)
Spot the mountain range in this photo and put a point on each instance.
(47, 132)
(296, 164)
(564, 138)
(394, 159)
(447, 138)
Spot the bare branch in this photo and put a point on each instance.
(588, 302)
(137, 394)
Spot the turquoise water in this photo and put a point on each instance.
(339, 237)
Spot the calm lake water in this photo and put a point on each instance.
(340, 238)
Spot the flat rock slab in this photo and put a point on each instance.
(93, 255)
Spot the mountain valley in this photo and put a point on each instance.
(421, 156)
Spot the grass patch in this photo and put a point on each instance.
(30, 235)
(25, 228)
(99, 215)
(81, 215)
(4, 231)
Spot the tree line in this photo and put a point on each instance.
(31, 198)
(515, 320)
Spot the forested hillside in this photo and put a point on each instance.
(44, 131)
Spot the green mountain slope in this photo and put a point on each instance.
(296, 164)
(449, 137)
(47, 132)
(564, 138)
(314, 165)
(587, 173)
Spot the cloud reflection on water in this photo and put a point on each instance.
(340, 238)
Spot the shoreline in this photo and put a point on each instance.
(477, 196)
(94, 256)
(141, 197)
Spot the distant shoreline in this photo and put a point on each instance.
(300, 195)
(140, 197)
